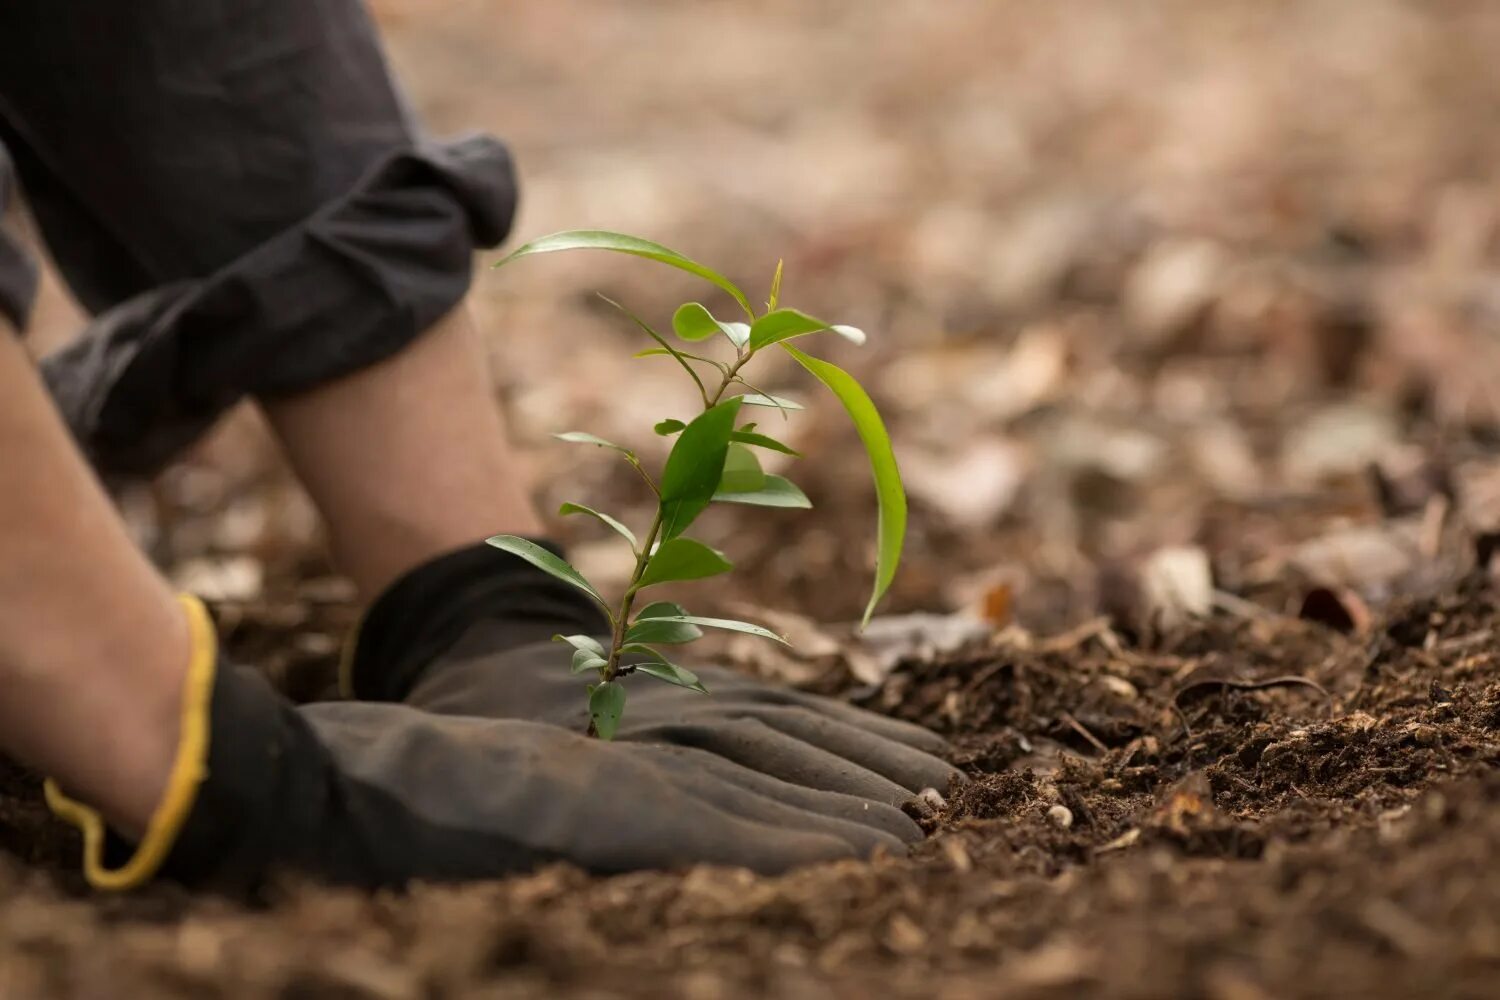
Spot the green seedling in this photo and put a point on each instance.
(713, 460)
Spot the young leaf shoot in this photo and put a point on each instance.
(713, 459)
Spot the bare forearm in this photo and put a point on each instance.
(92, 642)
(407, 459)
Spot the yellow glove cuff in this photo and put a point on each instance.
(188, 771)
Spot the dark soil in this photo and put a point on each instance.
(1130, 830)
(1204, 276)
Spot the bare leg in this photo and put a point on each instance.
(93, 644)
(407, 459)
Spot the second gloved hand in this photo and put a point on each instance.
(470, 634)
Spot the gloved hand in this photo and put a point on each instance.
(377, 794)
(470, 634)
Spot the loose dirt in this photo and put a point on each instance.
(1214, 280)
(1130, 829)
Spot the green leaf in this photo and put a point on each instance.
(889, 493)
(596, 239)
(662, 352)
(546, 562)
(742, 471)
(662, 668)
(656, 630)
(784, 324)
(584, 660)
(693, 321)
(581, 437)
(577, 508)
(693, 468)
(667, 428)
(660, 609)
(761, 441)
(582, 643)
(765, 399)
(670, 672)
(728, 624)
(677, 355)
(777, 491)
(683, 559)
(774, 299)
(606, 705)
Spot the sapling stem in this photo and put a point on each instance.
(711, 461)
(622, 617)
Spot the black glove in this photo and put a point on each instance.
(378, 794)
(470, 634)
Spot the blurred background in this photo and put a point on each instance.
(1210, 279)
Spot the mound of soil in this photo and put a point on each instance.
(1140, 278)
(1254, 807)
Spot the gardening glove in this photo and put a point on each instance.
(379, 794)
(470, 633)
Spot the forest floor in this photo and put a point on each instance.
(1185, 318)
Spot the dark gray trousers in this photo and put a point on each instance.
(237, 193)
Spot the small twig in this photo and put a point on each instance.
(1228, 683)
(1083, 731)
(1463, 641)
(1074, 637)
(1434, 515)
(1286, 680)
(1235, 604)
(984, 676)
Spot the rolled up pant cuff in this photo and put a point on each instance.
(348, 286)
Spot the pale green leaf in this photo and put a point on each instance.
(546, 562)
(578, 508)
(765, 399)
(583, 660)
(742, 471)
(776, 491)
(660, 667)
(889, 493)
(692, 321)
(660, 609)
(595, 239)
(670, 672)
(762, 441)
(582, 437)
(774, 299)
(727, 624)
(582, 643)
(606, 706)
(683, 559)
